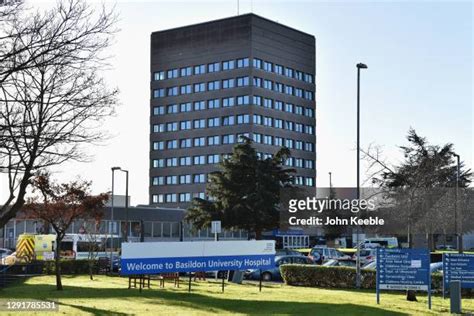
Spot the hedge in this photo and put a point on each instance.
(334, 277)
(69, 267)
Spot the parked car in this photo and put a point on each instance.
(4, 252)
(274, 274)
(288, 252)
(320, 255)
(366, 255)
(445, 247)
(436, 267)
(340, 263)
(385, 242)
(370, 266)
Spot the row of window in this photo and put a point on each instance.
(230, 120)
(226, 139)
(232, 83)
(212, 159)
(231, 101)
(233, 64)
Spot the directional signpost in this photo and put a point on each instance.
(403, 269)
(458, 267)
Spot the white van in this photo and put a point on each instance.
(385, 242)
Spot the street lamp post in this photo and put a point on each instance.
(126, 204)
(111, 229)
(458, 234)
(359, 67)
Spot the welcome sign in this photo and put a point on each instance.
(165, 257)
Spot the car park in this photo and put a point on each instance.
(320, 255)
(274, 273)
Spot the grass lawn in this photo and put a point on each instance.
(110, 296)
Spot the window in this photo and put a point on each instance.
(278, 141)
(257, 119)
(268, 103)
(185, 107)
(299, 163)
(199, 160)
(268, 84)
(299, 110)
(227, 102)
(289, 107)
(157, 198)
(309, 164)
(158, 145)
(278, 123)
(213, 159)
(184, 125)
(308, 78)
(159, 128)
(257, 82)
(298, 75)
(257, 138)
(257, 63)
(243, 119)
(268, 140)
(213, 122)
(279, 69)
(170, 180)
(299, 145)
(172, 162)
(299, 92)
(257, 100)
(185, 161)
(289, 143)
(170, 198)
(228, 83)
(158, 163)
(228, 139)
(267, 121)
(187, 89)
(278, 87)
(199, 87)
(185, 179)
(242, 63)
(159, 110)
(199, 69)
(172, 73)
(172, 91)
(159, 93)
(289, 125)
(172, 109)
(309, 129)
(309, 146)
(289, 72)
(289, 90)
(309, 95)
(185, 143)
(185, 197)
(298, 128)
(158, 181)
(267, 66)
(228, 65)
(201, 123)
(213, 67)
(172, 144)
(199, 105)
(200, 195)
(279, 105)
(213, 140)
(199, 141)
(240, 137)
(213, 85)
(290, 162)
(243, 100)
(309, 112)
(172, 126)
(299, 180)
(186, 71)
(199, 178)
(159, 75)
(309, 181)
(213, 104)
(228, 120)
(242, 81)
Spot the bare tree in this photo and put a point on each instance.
(55, 105)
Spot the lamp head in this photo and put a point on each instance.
(116, 168)
(361, 66)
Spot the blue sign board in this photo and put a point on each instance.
(458, 267)
(403, 269)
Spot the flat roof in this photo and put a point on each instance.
(232, 18)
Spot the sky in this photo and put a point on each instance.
(419, 57)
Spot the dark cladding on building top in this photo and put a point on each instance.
(215, 81)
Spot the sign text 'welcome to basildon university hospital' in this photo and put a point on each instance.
(165, 257)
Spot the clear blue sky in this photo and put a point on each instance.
(420, 75)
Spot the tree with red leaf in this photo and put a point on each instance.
(59, 204)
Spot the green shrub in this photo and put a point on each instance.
(69, 267)
(336, 277)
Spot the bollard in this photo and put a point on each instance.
(455, 296)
